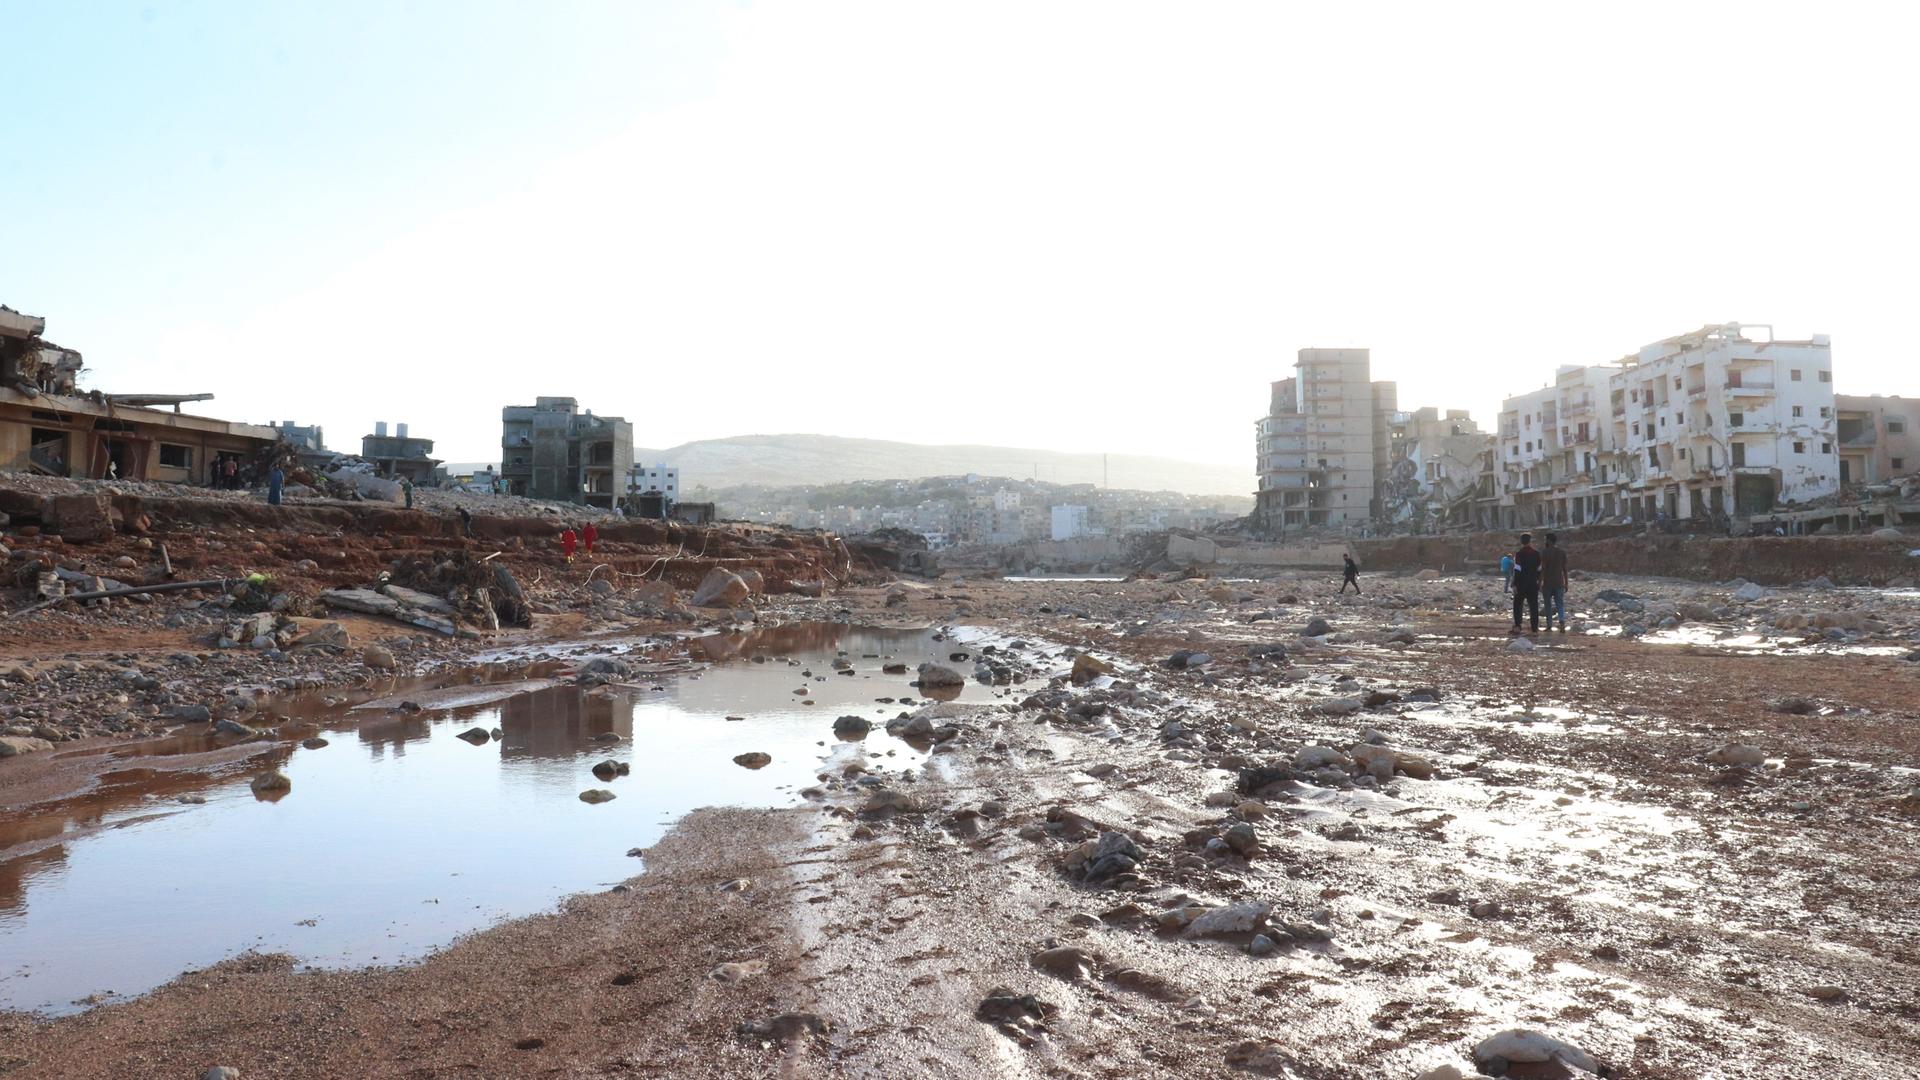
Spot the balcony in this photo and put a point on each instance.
(1748, 388)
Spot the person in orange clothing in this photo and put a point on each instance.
(567, 542)
(589, 534)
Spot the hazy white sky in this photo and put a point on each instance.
(1097, 226)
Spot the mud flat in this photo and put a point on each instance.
(1217, 845)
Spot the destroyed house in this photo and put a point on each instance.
(399, 456)
(48, 427)
(551, 450)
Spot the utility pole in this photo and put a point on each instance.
(1103, 471)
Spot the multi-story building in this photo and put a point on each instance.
(1070, 522)
(657, 479)
(1878, 437)
(1712, 422)
(552, 450)
(1324, 448)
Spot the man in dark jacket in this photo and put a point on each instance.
(1526, 583)
(1553, 580)
(1350, 575)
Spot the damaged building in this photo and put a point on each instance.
(48, 426)
(1437, 466)
(1324, 446)
(552, 450)
(1725, 421)
(399, 456)
(1879, 438)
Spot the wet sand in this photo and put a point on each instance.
(1576, 866)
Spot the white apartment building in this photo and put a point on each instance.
(1070, 522)
(1324, 447)
(661, 478)
(1723, 420)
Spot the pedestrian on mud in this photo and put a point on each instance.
(230, 472)
(406, 489)
(1553, 580)
(466, 522)
(1526, 583)
(589, 535)
(1506, 572)
(1350, 575)
(276, 479)
(567, 543)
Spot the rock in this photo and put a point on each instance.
(597, 795)
(786, 1028)
(607, 770)
(1067, 962)
(731, 973)
(1822, 582)
(754, 760)
(1111, 855)
(910, 727)
(1402, 636)
(600, 587)
(934, 675)
(230, 727)
(329, 635)
(1242, 918)
(1199, 659)
(314, 743)
(852, 727)
(890, 801)
(273, 780)
(1493, 1054)
(192, 714)
(15, 745)
(721, 588)
(1318, 757)
(1087, 668)
(1443, 1072)
(1693, 611)
(1797, 706)
(377, 657)
(476, 735)
(1262, 945)
(1316, 627)
(1342, 706)
(1750, 592)
(1520, 645)
(221, 1072)
(1888, 533)
(1826, 993)
(1741, 755)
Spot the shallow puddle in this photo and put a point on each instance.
(398, 835)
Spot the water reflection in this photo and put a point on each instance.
(399, 835)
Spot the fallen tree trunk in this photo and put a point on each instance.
(136, 590)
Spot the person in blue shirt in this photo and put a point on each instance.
(1506, 572)
(276, 479)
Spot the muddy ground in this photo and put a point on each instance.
(1357, 854)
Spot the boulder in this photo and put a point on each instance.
(753, 760)
(1741, 755)
(1087, 667)
(1519, 1045)
(852, 727)
(721, 588)
(1888, 534)
(1750, 592)
(378, 657)
(478, 736)
(1242, 918)
(1316, 627)
(596, 795)
(15, 745)
(271, 781)
(755, 582)
(934, 675)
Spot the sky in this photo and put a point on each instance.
(1076, 226)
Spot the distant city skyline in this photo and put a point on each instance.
(1081, 227)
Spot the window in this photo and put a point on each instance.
(1653, 458)
(1796, 410)
(1676, 382)
(1683, 453)
(1899, 463)
(1826, 376)
(1826, 448)
(176, 457)
(1735, 419)
(1738, 452)
(1895, 427)
(1513, 451)
(1799, 448)
(1636, 427)
(1825, 412)
(1794, 374)
(1663, 421)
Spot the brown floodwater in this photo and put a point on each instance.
(398, 835)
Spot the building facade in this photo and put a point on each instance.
(551, 450)
(1879, 438)
(399, 456)
(1325, 445)
(656, 479)
(1069, 522)
(1722, 422)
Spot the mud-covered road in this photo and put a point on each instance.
(1681, 843)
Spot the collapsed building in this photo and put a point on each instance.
(399, 456)
(50, 427)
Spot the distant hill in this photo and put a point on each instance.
(790, 460)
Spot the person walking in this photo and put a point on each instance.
(1506, 573)
(589, 535)
(406, 489)
(567, 543)
(1553, 581)
(276, 480)
(1526, 583)
(1350, 575)
(466, 522)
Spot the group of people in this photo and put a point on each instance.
(571, 540)
(1529, 575)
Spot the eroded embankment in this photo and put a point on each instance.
(1770, 560)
